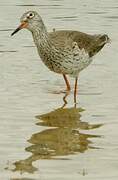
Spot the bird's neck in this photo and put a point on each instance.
(41, 39)
(46, 48)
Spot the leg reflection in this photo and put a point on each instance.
(65, 100)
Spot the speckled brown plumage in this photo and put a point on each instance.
(65, 52)
(91, 43)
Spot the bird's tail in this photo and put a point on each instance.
(103, 39)
(98, 44)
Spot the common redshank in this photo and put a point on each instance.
(64, 52)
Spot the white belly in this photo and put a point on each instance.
(76, 62)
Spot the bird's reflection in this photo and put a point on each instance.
(63, 136)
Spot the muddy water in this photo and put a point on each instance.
(39, 139)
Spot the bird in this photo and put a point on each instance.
(66, 52)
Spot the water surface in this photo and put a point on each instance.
(39, 139)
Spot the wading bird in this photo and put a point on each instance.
(64, 52)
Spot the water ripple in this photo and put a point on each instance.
(58, 5)
(65, 17)
(5, 51)
(111, 17)
(6, 30)
(95, 12)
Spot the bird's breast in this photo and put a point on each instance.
(67, 61)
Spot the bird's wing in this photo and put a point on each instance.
(90, 43)
(62, 38)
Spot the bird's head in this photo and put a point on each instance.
(30, 20)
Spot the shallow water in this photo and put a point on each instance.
(39, 139)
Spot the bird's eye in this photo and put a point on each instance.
(30, 15)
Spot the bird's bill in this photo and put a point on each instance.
(22, 25)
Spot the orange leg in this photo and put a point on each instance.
(75, 90)
(67, 83)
